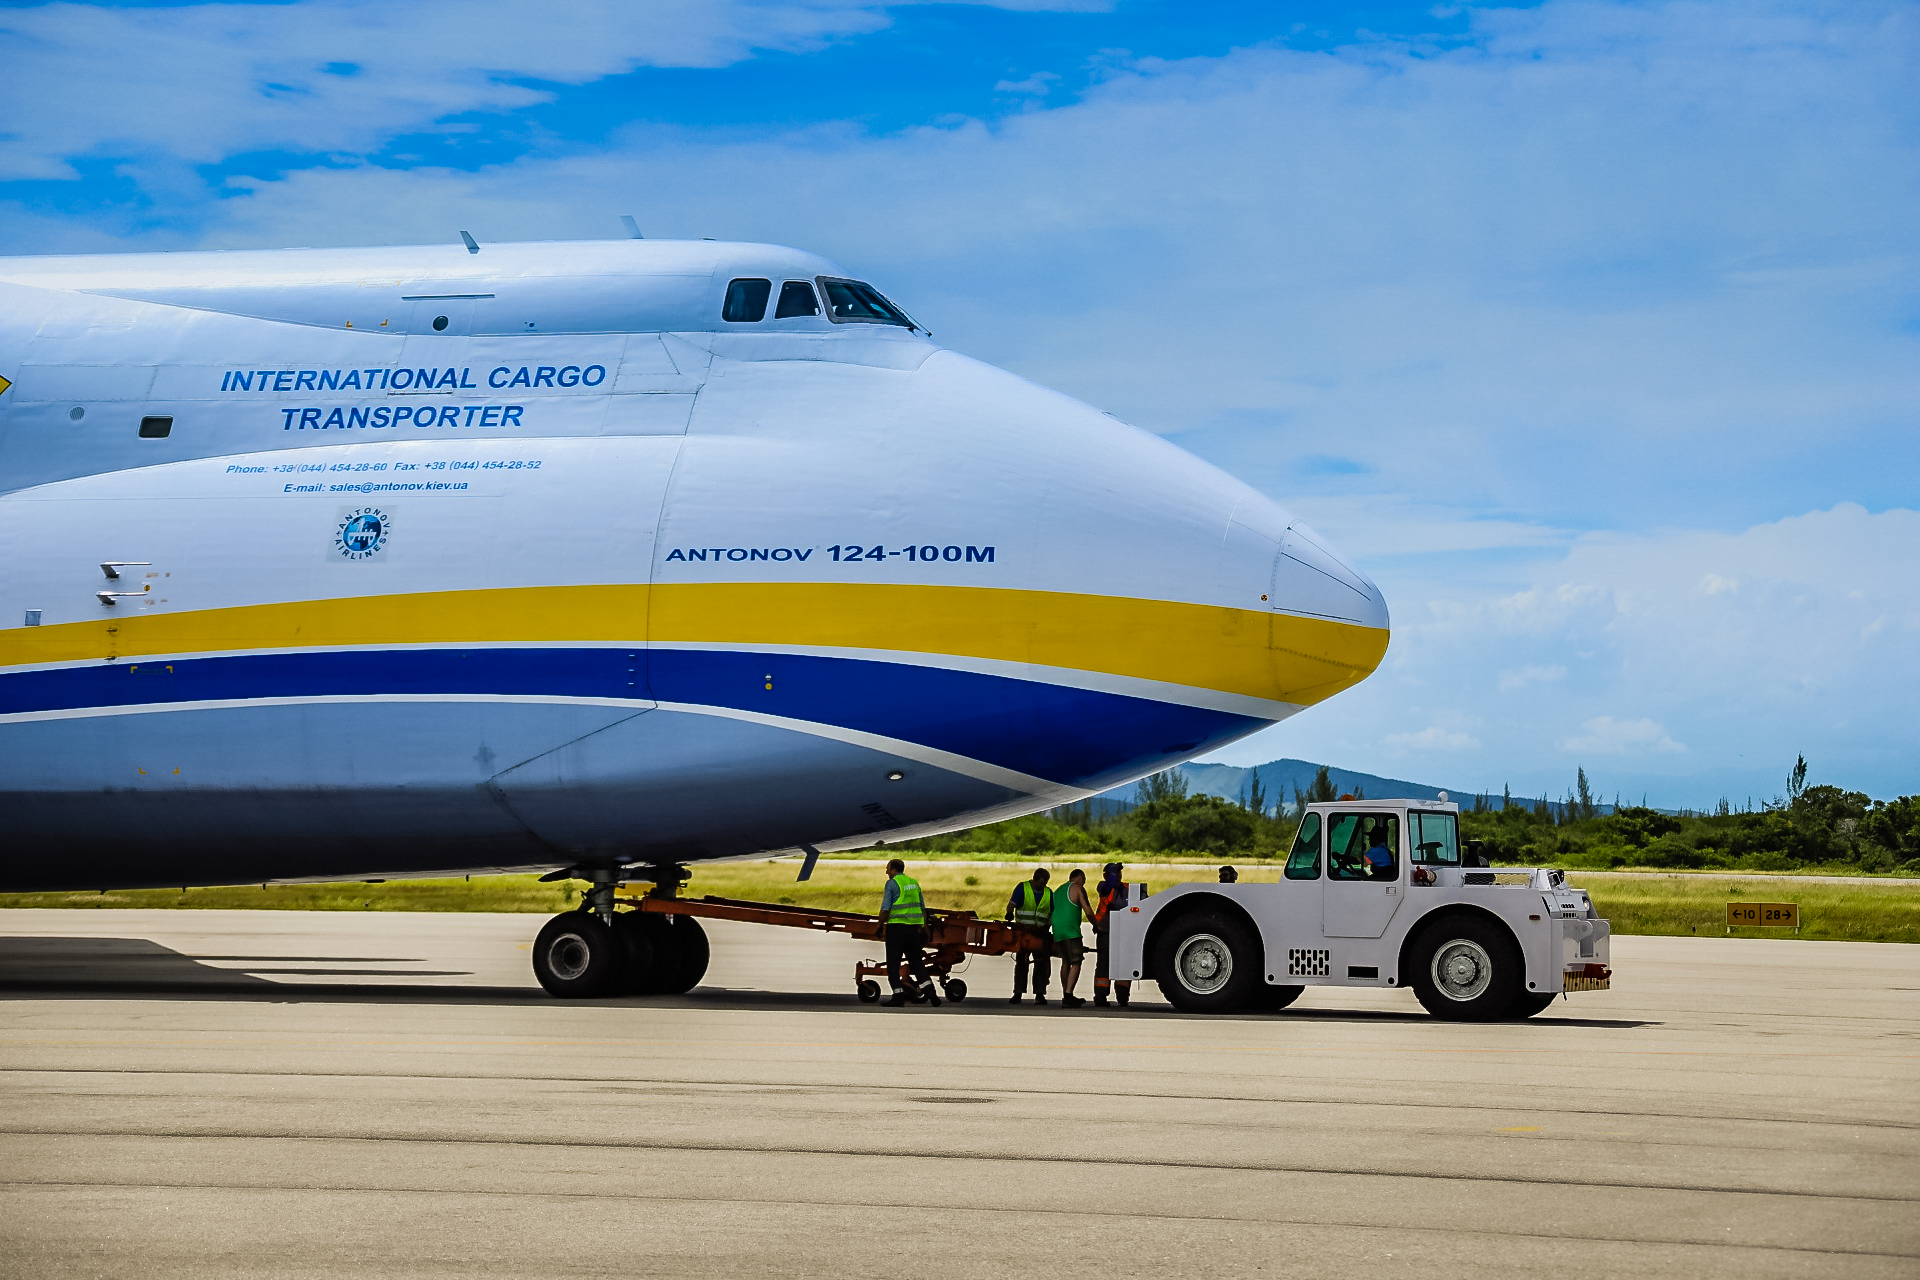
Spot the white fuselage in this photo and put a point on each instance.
(433, 561)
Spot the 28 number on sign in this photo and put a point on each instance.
(1763, 915)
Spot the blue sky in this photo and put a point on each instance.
(1591, 330)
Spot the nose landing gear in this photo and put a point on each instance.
(598, 951)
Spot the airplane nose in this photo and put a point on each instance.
(1327, 623)
(1311, 579)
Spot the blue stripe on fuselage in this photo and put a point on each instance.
(1074, 736)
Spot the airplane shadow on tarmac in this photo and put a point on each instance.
(138, 968)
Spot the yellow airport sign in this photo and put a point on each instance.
(1763, 915)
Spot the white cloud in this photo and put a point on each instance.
(1684, 694)
(1039, 84)
(199, 83)
(1608, 736)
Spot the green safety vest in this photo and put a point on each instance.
(1034, 910)
(907, 908)
(1066, 916)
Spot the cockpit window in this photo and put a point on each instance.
(796, 299)
(746, 301)
(851, 302)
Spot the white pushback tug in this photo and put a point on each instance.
(1375, 893)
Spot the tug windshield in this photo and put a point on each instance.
(1304, 862)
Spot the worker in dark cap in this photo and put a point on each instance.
(1111, 897)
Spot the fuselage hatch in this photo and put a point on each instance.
(331, 564)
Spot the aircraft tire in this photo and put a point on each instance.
(685, 954)
(1466, 969)
(576, 957)
(640, 956)
(1207, 962)
(1528, 1003)
(1271, 999)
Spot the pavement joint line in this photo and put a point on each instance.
(971, 1158)
(1719, 1246)
(721, 1088)
(1743, 1053)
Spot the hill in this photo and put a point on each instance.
(1281, 778)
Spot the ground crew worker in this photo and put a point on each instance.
(1110, 897)
(904, 914)
(1032, 905)
(1070, 909)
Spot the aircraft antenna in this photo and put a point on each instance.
(473, 246)
(633, 228)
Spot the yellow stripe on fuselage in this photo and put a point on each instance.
(1277, 657)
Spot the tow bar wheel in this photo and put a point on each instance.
(1466, 969)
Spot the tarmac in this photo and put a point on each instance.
(226, 1094)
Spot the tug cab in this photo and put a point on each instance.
(1374, 893)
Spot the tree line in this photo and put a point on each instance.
(1807, 827)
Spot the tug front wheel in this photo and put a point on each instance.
(1466, 969)
(576, 957)
(1207, 962)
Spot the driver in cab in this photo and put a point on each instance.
(1378, 857)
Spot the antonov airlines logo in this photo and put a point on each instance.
(4, 384)
(361, 533)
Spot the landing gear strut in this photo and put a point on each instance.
(598, 951)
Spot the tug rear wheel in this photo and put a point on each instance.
(576, 957)
(1466, 969)
(868, 991)
(956, 991)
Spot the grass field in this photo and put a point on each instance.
(1653, 903)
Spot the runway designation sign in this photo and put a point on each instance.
(1764, 915)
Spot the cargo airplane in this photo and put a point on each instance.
(601, 558)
